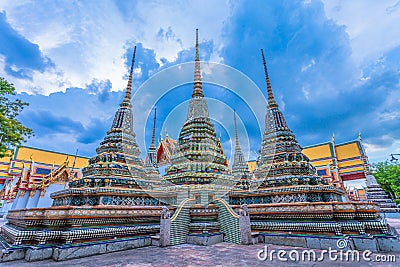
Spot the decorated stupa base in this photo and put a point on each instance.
(67, 224)
(334, 218)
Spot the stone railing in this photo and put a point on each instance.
(229, 221)
(180, 222)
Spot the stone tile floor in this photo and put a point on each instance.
(222, 254)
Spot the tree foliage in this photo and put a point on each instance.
(388, 176)
(12, 132)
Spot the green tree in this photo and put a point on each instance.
(12, 132)
(388, 176)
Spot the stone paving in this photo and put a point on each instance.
(222, 254)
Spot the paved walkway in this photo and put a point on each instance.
(222, 254)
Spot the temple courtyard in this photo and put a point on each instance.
(221, 254)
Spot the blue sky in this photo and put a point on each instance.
(334, 67)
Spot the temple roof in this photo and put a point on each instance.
(165, 149)
(349, 157)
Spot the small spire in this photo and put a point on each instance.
(333, 137)
(271, 100)
(73, 166)
(236, 130)
(127, 98)
(197, 86)
(197, 44)
(154, 128)
(359, 135)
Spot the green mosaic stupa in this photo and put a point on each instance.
(198, 158)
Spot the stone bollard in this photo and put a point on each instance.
(165, 227)
(244, 225)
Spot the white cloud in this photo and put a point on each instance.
(43, 83)
(87, 40)
(372, 25)
(378, 153)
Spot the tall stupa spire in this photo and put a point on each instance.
(281, 155)
(198, 105)
(236, 130)
(153, 136)
(197, 86)
(240, 169)
(128, 92)
(271, 100)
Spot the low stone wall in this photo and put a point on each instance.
(68, 252)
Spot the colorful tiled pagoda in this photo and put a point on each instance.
(284, 173)
(113, 199)
(116, 175)
(198, 159)
(289, 198)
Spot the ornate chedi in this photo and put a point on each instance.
(240, 170)
(114, 198)
(116, 175)
(198, 159)
(198, 165)
(288, 197)
(284, 173)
